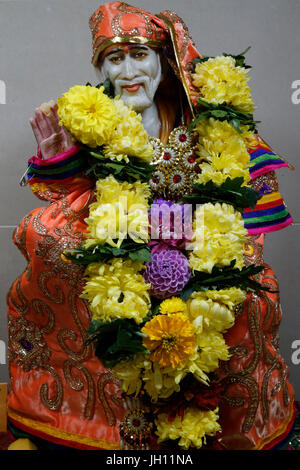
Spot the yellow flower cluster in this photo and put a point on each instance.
(220, 81)
(161, 383)
(219, 236)
(116, 290)
(182, 337)
(88, 113)
(129, 137)
(121, 210)
(205, 316)
(95, 120)
(191, 430)
(223, 150)
(141, 371)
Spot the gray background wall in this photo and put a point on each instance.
(45, 48)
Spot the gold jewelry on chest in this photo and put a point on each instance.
(176, 164)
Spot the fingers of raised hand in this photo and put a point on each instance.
(44, 124)
(50, 135)
(36, 130)
(53, 117)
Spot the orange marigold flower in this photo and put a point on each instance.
(170, 339)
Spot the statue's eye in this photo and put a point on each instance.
(116, 59)
(139, 55)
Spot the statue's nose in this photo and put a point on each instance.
(129, 69)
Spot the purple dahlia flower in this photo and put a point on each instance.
(171, 225)
(168, 273)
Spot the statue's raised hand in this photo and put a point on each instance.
(50, 136)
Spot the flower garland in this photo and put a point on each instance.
(159, 318)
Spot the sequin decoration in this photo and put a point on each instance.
(158, 181)
(176, 165)
(181, 138)
(135, 429)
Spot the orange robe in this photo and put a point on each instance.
(59, 389)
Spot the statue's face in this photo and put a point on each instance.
(135, 72)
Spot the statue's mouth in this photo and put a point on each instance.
(132, 88)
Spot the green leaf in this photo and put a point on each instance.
(94, 326)
(187, 292)
(101, 166)
(240, 58)
(205, 104)
(117, 341)
(108, 87)
(223, 112)
(218, 113)
(224, 278)
(199, 60)
(196, 121)
(104, 252)
(231, 192)
(236, 124)
(143, 254)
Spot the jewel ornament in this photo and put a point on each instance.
(177, 162)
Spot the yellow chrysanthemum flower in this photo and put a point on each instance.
(121, 210)
(129, 137)
(170, 339)
(209, 314)
(172, 305)
(117, 290)
(159, 383)
(219, 176)
(214, 309)
(218, 237)
(224, 151)
(212, 350)
(230, 297)
(221, 81)
(88, 113)
(130, 374)
(191, 429)
(222, 134)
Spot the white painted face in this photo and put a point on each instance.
(135, 72)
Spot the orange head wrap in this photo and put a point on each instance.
(118, 22)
